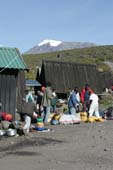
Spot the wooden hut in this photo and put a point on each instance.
(65, 75)
(12, 80)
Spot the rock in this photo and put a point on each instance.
(105, 149)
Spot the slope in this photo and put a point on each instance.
(93, 55)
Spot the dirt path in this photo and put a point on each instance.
(85, 146)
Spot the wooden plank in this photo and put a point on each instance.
(12, 95)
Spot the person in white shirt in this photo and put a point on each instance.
(78, 98)
(94, 105)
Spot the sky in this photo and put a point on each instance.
(26, 23)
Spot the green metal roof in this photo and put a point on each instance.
(11, 58)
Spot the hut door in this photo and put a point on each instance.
(8, 93)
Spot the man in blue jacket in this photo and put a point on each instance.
(72, 102)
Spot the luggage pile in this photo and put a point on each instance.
(85, 118)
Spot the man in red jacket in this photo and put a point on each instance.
(85, 94)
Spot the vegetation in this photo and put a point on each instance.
(93, 55)
(106, 101)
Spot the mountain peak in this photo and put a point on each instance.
(53, 43)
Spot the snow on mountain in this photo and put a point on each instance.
(53, 43)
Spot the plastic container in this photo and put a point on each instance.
(39, 119)
(40, 128)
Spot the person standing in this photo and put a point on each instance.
(69, 93)
(94, 105)
(54, 101)
(85, 94)
(39, 101)
(46, 102)
(78, 98)
(72, 103)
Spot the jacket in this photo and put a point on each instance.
(83, 93)
(54, 101)
(46, 100)
(28, 108)
(72, 102)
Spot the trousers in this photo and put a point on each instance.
(27, 123)
(94, 110)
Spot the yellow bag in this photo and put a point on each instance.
(84, 118)
(91, 119)
(40, 124)
(100, 119)
(56, 117)
(83, 113)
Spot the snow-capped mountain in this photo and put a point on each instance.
(53, 45)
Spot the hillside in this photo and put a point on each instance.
(92, 55)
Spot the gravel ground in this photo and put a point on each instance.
(84, 146)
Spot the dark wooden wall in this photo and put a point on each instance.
(12, 90)
(8, 82)
(68, 75)
(105, 79)
(20, 89)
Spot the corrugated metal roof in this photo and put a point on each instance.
(11, 58)
(32, 83)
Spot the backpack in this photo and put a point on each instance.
(30, 99)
